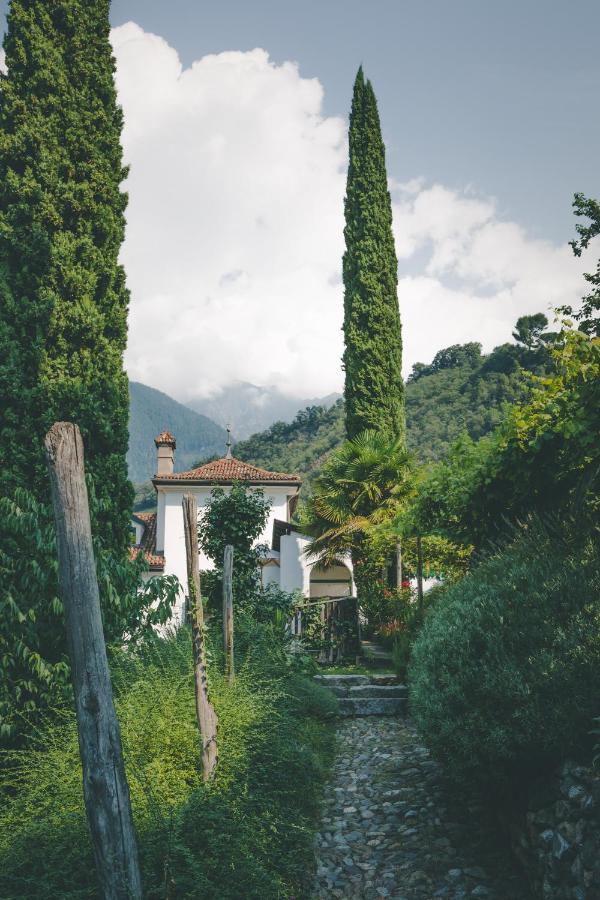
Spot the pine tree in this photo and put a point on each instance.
(374, 389)
(63, 311)
(63, 328)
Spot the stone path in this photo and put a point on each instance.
(390, 827)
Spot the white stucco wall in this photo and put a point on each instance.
(170, 538)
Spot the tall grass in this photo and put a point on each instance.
(248, 834)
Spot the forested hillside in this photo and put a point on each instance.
(248, 408)
(150, 412)
(461, 391)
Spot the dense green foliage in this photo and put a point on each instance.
(360, 484)
(150, 412)
(588, 316)
(544, 455)
(505, 674)
(63, 315)
(34, 661)
(372, 360)
(63, 326)
(460, 391)
(238, 518)
(300, 447)
(247, 834)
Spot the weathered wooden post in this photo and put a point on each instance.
(228, 612)
(205, 713)
(105, 788)
(398, 565)
(419, 575)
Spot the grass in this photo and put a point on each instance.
(247, 834)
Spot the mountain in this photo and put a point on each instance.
(150, 412)
(248, 408)
(460, 391)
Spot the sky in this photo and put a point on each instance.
(235, 131)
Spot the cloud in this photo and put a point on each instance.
(479, 275)
(2, 61)
(235, 232)
(235, 220)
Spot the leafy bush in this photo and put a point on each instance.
(238, 518)
(34, 666)
(247, 834)
(505, 674)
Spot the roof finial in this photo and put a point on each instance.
(228, 444)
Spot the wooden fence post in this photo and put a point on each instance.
(398, 565)
(419, 575)
(228, 612)
(205, 713)
(105, 788)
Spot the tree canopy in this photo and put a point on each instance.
(374, 389)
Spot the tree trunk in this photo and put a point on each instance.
(420, 575)
(228, 612)
(105, 788)
(205, 713)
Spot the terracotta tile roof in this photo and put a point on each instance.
(165, 437)
(147, 545)
(229, 469)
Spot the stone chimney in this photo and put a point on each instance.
(165, 455)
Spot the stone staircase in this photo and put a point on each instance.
(367, 695)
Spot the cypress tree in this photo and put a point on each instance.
(374, 389)
(63, 327)
(63, 310)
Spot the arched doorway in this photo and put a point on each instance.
(330, 582)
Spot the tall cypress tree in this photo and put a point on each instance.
(63, 309)
(63, 327)
(374, 389)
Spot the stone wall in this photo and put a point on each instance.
(558, 840)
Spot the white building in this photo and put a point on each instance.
(160, 535)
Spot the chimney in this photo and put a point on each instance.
(165, 455)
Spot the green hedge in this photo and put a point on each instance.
(505, 674)
(248, 834)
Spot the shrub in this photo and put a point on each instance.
(505, 674)
(246, 834)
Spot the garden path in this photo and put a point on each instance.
(392, 828)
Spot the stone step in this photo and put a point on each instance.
(345, 681)
(374, 706)
(377, 690)
(384, 678)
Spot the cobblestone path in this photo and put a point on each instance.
(390, 828)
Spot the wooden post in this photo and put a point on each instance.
(419, 575)
(398, 566)
(205, 713)
(228, 612)
(105, 788)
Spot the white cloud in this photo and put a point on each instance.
(234, 238)
(235, 232)
(481, 273)
(2, 61)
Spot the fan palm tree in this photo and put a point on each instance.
(362, 483)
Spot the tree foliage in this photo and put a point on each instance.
(544, 455)
(374, 388)
(34, 665)
(460, 391)
(63, 316)
(588, 316)
(63, 323)
(236, 517)
(505, 674)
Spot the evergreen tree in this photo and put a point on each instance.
(374, 390)
(63, 327)
(63, 309)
